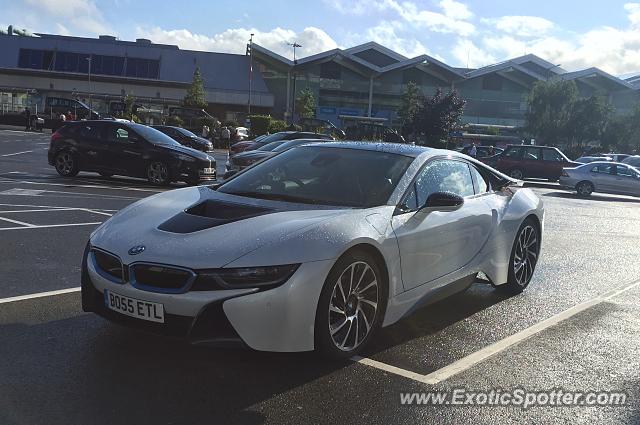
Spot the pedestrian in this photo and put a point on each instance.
(205, 131)
(63, 117)
(473, 151)
(27, 115)
(225, 135)
(69, 116)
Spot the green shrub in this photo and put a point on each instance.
(277, 125)
(260, 124)
(174, 120)
(202, 121)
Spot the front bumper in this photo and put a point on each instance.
(280, 319)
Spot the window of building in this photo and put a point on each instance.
(412, 75)
(330, 70)
(492, 82)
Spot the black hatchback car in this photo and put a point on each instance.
(127, 149)
(185, 137)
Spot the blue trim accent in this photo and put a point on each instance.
(133, 282)
(98, 269)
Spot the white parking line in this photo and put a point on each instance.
(48, 226)
(22, 223)
(72, 183)
(52, 207)
(39, 295)
(16, 153)
(497, 347)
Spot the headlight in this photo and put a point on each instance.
(185, 158)
(244, 277)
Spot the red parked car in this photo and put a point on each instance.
(525, 161)
(249, 145)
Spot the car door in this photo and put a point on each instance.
(532, 164)
(127, 150)
(510, 159)
(603, 177)
(435, 243)
(552, 163)
(627, 181)
(91, 146)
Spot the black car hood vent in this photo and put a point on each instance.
(211, 213)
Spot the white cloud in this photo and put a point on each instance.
(633, 10)
(455, 9)
(446, 22)
(471, 56)
(79, 15)
(387, 34)
(313, 40)
(523, 26)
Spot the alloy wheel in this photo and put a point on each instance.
(516, 174)
(526, 255)
(64, 163)
(584, 189)
(353, 306)
(157, 173)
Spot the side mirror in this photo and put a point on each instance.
(442, 201)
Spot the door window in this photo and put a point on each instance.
(89, 131)
(603, 169)
(481, 182)
(625, 171)
(513, 152)
(551, 155)
(440, 176)
(532, 154)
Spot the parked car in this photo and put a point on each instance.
(604, 177)
(633, 161)
(127, 149)
(588, 159)
(525, 161)
(185, 137)
(617, 157)
(315, 248)
(244, 159)
(239, 134)
(249, 145)
(483, 151)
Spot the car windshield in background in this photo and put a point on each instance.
(291, 143)
(271, 146)
(271, 138)
(323, 176)
(185, 132)
(154, 136)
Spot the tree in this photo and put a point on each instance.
(588, 120)
(550, 108)
(410, 102)
(306, 103)
(129, 101)
(435, 117)
(195, 96)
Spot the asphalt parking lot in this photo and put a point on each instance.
(577, 327)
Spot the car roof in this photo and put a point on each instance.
(532, 146)
(397, 148)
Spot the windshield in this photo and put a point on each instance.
(154, 136)
(271, 146)
(185, 132)
(324, 176)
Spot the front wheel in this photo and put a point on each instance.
(66, 164)
(517, 174)
(584, 189)
(524, 257)
(158, 173)
(351, 306)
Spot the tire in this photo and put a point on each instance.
(516, 173)
(338, 314)
(66, 164)
(158, 173)
(524, 257)
(584, 189)
(107, 175)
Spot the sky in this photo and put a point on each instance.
(473, 33)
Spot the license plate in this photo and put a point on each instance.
(208, 171)
(145, 310)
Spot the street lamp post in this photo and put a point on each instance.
(295, 62)
(250, 72)
(89, 84)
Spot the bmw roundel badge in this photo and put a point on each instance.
(135, 250)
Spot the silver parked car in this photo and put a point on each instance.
(314, 248)
(589, 159)
(633, 161)
(601, 176)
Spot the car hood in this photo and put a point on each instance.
(201, 228)
(189, 151)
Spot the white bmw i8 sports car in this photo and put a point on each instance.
(315, 248)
